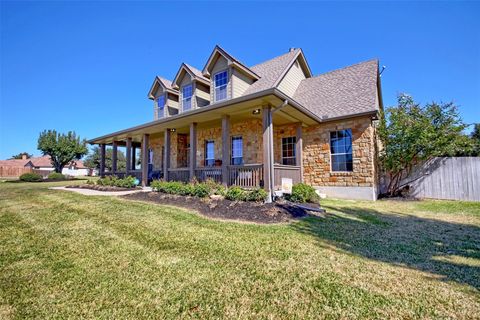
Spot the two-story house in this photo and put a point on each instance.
(254, 125)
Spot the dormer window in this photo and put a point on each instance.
(221, 79)
(160, 106)
(187, 92)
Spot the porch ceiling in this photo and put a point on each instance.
(211, 116)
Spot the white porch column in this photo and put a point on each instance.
(166, 157)
(299, 150)
(193, 149)
(225, 148)
(102, 160)
(128, 156)
(145, 160)
(114, 156)
(268, 174)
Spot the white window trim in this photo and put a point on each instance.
(231, 146)
(206, 152)
(161, 107)
(191, 98)
(215, 86)
(332, 154)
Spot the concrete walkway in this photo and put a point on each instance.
(90, 192)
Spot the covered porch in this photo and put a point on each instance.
(249, 144)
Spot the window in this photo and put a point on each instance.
(221, 80)
(237, 150)
(160, 105)
(341, 150)
(288, 151)
(209, 153)
(187, 97)
(150, 156)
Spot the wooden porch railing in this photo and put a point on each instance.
(246, 176)
(179, 174)
(204, 173)
(284, 171)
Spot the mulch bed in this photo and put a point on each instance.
(99, 188)
(229, 210)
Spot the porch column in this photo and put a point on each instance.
(299, 150)
(193, 149)
(114, 156)
(102, 160)
(268, 151)
(128, 156)
(225, 148)
(166, 156)
(134, 155)
(145, 160)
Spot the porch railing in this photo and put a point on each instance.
(179, 174)
(284, 171)
(204, 173)
(246, 176)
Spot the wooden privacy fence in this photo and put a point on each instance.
(12, 172)
(447, 178)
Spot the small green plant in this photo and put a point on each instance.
(90, 182)
(31, 177)
(127, 182)
(56, 176)
(236, 194)
(258, 195)
(302, 192)
(201, 190)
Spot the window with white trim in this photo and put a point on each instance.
(288, 151)
(341, 150)
(221, 80)
(160, 106)
(237, 150)
(209, 153)
(187, 92)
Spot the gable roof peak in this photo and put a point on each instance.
(231, 60)
(192, 71)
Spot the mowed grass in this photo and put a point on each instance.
(64, 255)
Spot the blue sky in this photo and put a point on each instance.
(87, 66)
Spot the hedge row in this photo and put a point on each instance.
(127, 182)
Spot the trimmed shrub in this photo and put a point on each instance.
(302, 193)
(127, 182)
(56, 176)
(31, 177)
(201, 190)
(236, 194)
(258, 195)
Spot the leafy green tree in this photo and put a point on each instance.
(411, 134)
(21, 154)
(62, 148)
(475, 135)
(93, 159)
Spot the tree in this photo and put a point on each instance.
(475, 136)
(93, 159)
(62, 148)
(412, 134)
(21, 154)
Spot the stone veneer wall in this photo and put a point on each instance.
(316, 154)
(156, 145)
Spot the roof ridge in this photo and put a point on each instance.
(343, 68)
(276, 57)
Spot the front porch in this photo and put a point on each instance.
(246, 145)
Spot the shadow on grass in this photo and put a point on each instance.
(439, 247)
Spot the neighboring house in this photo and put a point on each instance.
(15, 167)
(74, 168)
(254, 125)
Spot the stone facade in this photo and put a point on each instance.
(316, 149)
(316, 154)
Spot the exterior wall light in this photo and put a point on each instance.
(173, 130)
(256, 111)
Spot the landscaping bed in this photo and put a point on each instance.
(99, 187)
(258, 212)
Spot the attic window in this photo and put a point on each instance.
(221, 79)
(187, 97)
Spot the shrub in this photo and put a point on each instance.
(201, 190)
(56, 176)
(31, 177)
(235, 194)
(127, 182)
(302, 192)
(257, 195)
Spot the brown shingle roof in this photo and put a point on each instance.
(167, 83)
(270, 71)
(14, 163)
(196, 72)
(43, 161)
(343, 92)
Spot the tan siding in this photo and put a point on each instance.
(202, 95)
(220, 65)
(186, 80)
(240, 83)
(292, 79)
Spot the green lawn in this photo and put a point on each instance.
(64, 255)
